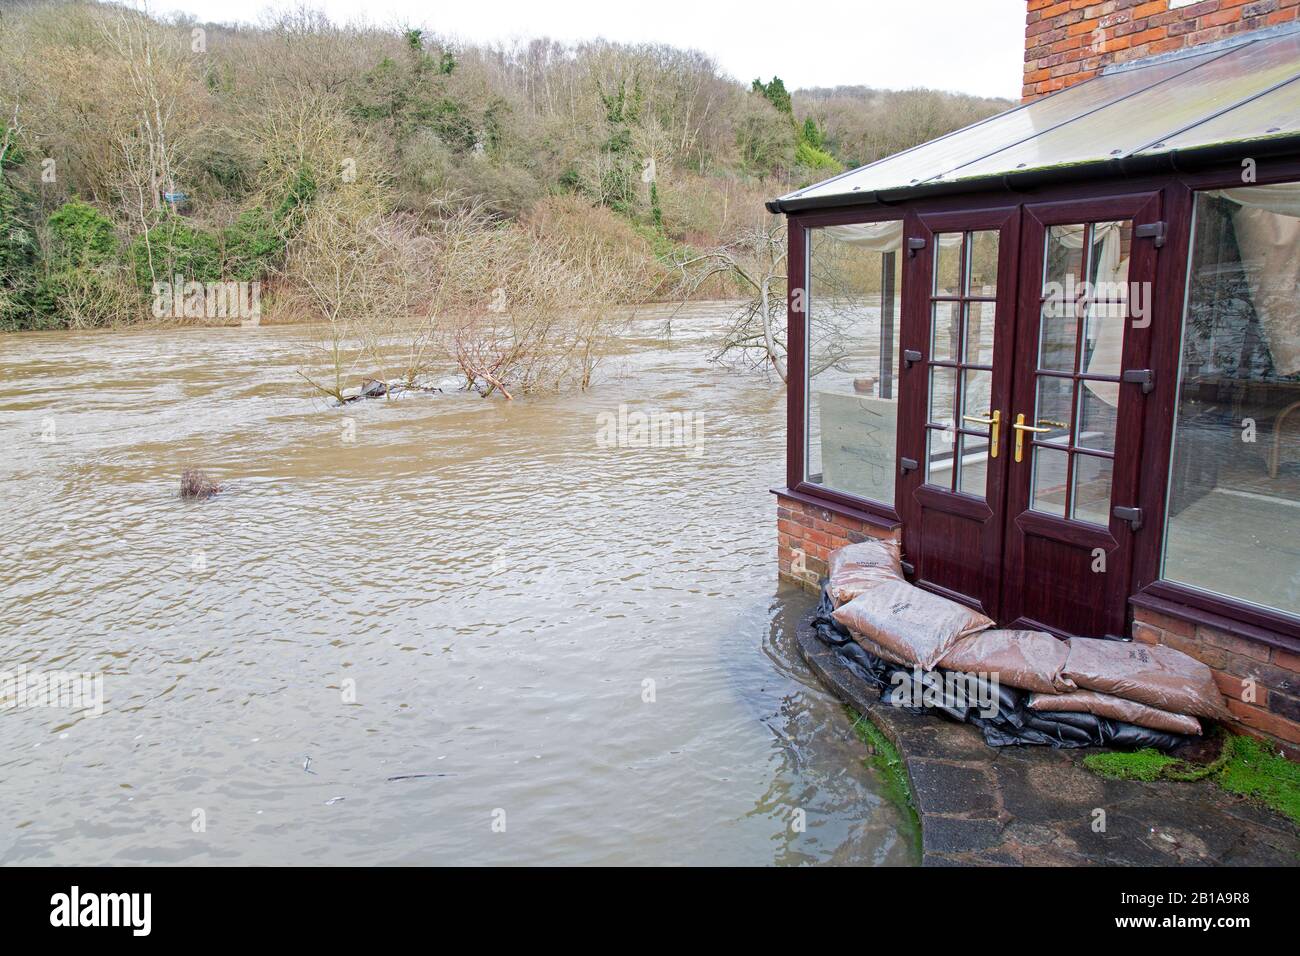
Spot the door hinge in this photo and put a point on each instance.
(908, 464)
(1141, 376)
(914, 245)
(1132, 515)
(1152, 230)
(910, 357)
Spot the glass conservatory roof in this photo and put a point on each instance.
(1213, 97)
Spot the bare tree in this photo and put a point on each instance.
(755, 259)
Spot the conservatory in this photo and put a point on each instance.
(1058, 353)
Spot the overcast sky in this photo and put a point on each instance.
(973, 46)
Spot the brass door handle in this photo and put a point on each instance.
(1021, 428)
(995, 422)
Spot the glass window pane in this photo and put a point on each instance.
(1057, 335)
(943, 387)
(1110, 298)
(1233, 516)
(980, 328)
(983, 264)
(977, 389)
(1098, 403)
(853, 315)
(1092, 480)
(947, 263)
(1052, 410)
(938, 457)
(1063, 268)
(1047, 492)
(944, 329)
(973, 476)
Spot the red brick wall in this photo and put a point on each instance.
(1068, 41)
(1274, 712)
(807, 534)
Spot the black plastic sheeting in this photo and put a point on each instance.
(1013, 724)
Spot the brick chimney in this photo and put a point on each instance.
(1068, 41)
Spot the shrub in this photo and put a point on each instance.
(81, 283)
(81, 236)
(172, 248)
(253, 245)
(806, 154)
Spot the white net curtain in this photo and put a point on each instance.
(1267, 224)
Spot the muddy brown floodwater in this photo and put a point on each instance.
(423, 630)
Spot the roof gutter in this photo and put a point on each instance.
(1183, 161)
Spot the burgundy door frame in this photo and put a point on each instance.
(1079, 576)
(881, 514)
(941, 525)
(1149, 591)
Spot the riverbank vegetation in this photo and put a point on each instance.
(353, 172)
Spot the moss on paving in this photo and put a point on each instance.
(1245, 767)
(886, 759)
(1145, 764)
(1255, 771)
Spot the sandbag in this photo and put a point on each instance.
(1030, 660)
(913, 625)
(859, 567)
(883, 653)
(1013, 725)
(1116, 708)
(1150, 674)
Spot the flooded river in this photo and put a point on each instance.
(436, 629)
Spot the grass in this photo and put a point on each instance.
(1245, 767)
(886, 759)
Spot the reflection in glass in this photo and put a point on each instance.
(980, 327)
(983, 279)
(1052, 409)
(1110, 297)
(938, 457)
(1096, 417)
(1233, 516)
(1057, 337)
(943, 388)
(945, 327)
(853, 315)
(947, 263)
(1047, 491)
(977, 390)
(1092, 480)
(1063, 270)
(972, 478)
